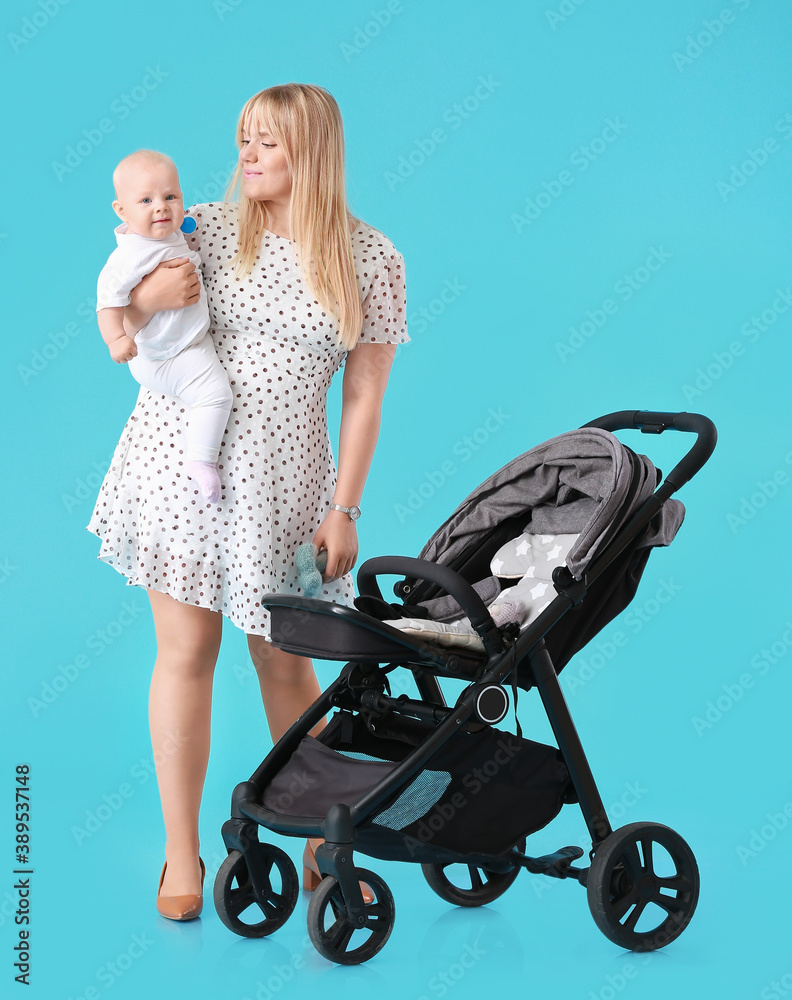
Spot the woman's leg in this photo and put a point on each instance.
(288, 684)
(188, 641)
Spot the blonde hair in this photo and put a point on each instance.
(306, 123)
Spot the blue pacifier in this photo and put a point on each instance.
(189, 225)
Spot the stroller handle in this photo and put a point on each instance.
(453, 584)
(650, 422)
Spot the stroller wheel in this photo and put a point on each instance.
(484, 885)
(236, 901)
(334, 935)
(643, 886)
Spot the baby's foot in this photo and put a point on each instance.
(205, 474)
(507, 612)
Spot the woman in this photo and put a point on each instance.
(295, 286)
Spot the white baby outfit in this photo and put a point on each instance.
(280, 350)
(175, 352)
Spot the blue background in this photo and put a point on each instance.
(528, 158)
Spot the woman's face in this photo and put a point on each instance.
(266, 175)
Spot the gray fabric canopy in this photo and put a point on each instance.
(585, 481)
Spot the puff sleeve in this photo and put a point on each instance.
(384, 306)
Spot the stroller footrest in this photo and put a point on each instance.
(555, 865)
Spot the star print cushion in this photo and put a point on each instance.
(532, 556)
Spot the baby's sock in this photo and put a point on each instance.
(507, 611)
(205, 474)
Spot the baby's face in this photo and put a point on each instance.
(150, 200)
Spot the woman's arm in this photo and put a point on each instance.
(173, 284)
(365, 377)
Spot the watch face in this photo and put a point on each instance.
(354, 513)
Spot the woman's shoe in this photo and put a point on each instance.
(312, 876)
(180, 907)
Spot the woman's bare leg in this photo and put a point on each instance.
(180, 702)
(288, 684)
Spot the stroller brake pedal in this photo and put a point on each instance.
(555, 865)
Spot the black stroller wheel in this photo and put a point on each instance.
(642, 898)
(331, 930)
(236, 901)
(485, 886)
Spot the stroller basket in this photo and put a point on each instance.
(478, 794)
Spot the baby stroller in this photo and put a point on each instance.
(416, 779)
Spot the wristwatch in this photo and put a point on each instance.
(353, 512)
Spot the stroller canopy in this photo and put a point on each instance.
(583, 482)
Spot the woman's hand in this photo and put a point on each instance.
(173, 284)
(338, 535)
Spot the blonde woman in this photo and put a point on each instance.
(296, 286)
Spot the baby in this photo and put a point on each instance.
(173, 353)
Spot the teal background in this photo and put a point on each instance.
(686, 722)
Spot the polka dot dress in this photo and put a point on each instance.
(276, 465)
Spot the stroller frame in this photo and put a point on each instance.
(619, 879)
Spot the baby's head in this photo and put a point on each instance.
(148, 196)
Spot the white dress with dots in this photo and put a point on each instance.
(276, 466)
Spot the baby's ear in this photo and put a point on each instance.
(118, 208)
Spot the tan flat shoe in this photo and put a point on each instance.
(312, 876)
(186, 907)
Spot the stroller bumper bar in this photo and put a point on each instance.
(450, 581)
(650, 422)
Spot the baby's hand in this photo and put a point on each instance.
(122, 350)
